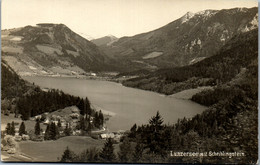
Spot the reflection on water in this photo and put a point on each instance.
(127, 105)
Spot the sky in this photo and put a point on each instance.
(98, 18)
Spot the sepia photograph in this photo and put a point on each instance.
(120, 81)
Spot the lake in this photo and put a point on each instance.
(126, 105)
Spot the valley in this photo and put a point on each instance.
(126, 105)
(188, 86)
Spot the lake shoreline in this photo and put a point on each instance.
(125, 105)
(185, 94)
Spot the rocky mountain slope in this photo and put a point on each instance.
(51, 49)
(187, 40)
(233, 58)
(105, 41)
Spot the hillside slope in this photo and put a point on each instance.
(237, 54)
(187, 40)
(51, 49)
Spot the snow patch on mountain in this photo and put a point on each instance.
(205, 14)
(251, 25)
(254, 22)
(186, 17)
(113, 39)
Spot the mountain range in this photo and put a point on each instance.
(51, 49)
(187, 40)
(238, 54)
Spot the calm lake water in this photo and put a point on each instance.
(127, 105)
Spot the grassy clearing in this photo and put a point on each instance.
(29, 124)
(51, 150)
(48, 151)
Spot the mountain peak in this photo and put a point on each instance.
(187, 16)
(207, 13)
(107, 40)
(203, 14)
(111, 36)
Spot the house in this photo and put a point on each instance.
(16, 129)
(63, 124)
(103, 136)
(58, 117)
(74, 116)
(46, 121)
(75, 110)
(38, 117)
(18, 138)
(76, 132)
(107, 135)
(53, 117)
(56, 122)
(117, 137)
(91, 119)
(25, 137)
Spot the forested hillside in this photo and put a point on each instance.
(238, 53)
(12, 85)
(228, 127)
(29, 100)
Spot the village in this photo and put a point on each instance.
(67, 122)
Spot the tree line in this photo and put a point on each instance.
(40, 102)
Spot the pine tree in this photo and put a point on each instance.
(12, 130)
(107, 153)
(101, 118)
(89, 155)
(67, 130)
(53, 131)
(37, 128)
(89, 125)
(47, 133)
(82, 124)
(155, 143)
(57, 131)
(156, 122)
(133, 131)
(68, 156)
(81, 106)
(125, 152)
(96, 120)
(22, 129)
(8, 129)
(87, 106)
(167, 139)
(138, 153)
(59, 123)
